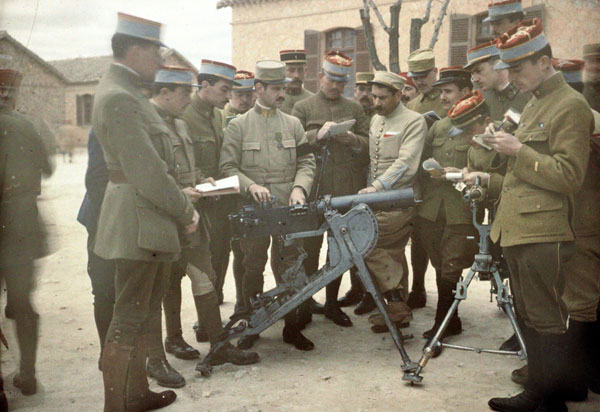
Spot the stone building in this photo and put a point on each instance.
(260, 28)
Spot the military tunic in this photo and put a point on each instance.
(445, 219)
(532, 223)
(427, 102)
(345, 171)
(260, 148)
(499, 101)
(292, 99)
(480, 159)
(591, 91)
(205, 127)
(395, 146)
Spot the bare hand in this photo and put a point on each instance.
(192, 227)
(368, 189)
(348, 138)
(192, 193)
(209, 180)
(469, 178)
(504, 143)
(259, 193)
(324, 131)
(297, 197)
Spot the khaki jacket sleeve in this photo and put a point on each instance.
(361, 130)
(142, 166)
(231, 155)
(563, 170)
(300, 111)
(305, 165)
(409, 157)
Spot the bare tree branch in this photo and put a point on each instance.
(427, 11)
(394, 35)
(379, 16)
(366, 23)
(438, 24)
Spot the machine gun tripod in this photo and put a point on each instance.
(350, 236)
(487, 267)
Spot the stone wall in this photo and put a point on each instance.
(260, 30)
(42, 92)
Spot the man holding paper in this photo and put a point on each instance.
(260, 148)
(321, 116)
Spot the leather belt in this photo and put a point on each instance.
(117, 176)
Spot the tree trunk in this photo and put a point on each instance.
(415, 34)
(394, 35)
(366, 23)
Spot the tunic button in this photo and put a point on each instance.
(537, 206)
(377, 150)
(374, 169)
(377, 143)
(376, 156)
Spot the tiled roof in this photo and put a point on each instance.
(83, 69)
(232, 3)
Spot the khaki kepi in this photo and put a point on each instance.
(271, 72)
(420, 62)
(388, 79)
(140, 28)
(591, 50)
(176, 75)
(363, 78)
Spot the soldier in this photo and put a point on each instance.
(141, 211)
(503, 15)
(172, 90)
(445, 220)
(23, 160)
(242, 96)
(409, 91)
(100, 271)
(396, 139)
(363, 96)
(205, 126)
(500, 94)
(344, 172)
(260, 148)
(421, 65)
(547, 159)
(295, 69)
(591, 71)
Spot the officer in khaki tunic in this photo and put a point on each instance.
(421, 66)
(503, 15)
(445, 220)
(141, 215)
(547, 160)
(172, 91)
(23, 160)
(295, 69)
(500, 94)
(396, 139)
(242, 96)
(205, 125)
(260, 148)
(591, 72)
(345, 170)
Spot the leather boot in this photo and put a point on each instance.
(355, 294)
(332, 310)
(304, 314)
(164, 373)
(511, 344)
(315, 307)
(200, 332)
(574, 379)
(445, 300)
(417, 299)
(366, 305)
(397, 309)
(139, 397)
(116, 362)
(3, 400)
(292, 335)
(177, 346)
(27, 337)
(554, 360)
(520, 376)
(593, 356)
(531, 398)
(231, 354)
(174, 342)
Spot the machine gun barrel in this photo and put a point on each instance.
(379, 201)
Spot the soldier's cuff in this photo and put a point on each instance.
(187, 216)
(378, 185)
(495, 185)
(311, 136)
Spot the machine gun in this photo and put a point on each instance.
(486, 265)
(351, 236)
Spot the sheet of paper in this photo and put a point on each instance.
(228, 183)
(478, 138)
(341, 128)
(433, 167)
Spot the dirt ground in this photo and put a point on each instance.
(351, 369)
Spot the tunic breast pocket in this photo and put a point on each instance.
(250, 154)
(536, 139)
(289, 146)
(461, 155)
(161, 140)
(207, 155)
(390, 146)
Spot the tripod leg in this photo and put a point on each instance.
(505, 302)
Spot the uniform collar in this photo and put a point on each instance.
(203, 108)
(549, 85)
(322, 96)
(433, 94)
(508, 93)
(126, 74)
(167, 116)
(264, 111)
(397, 111)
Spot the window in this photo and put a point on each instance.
(350, 41)
(85, 104)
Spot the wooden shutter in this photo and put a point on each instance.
(312, 44)
(535, 11)
(460, 39)
(362, 59)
